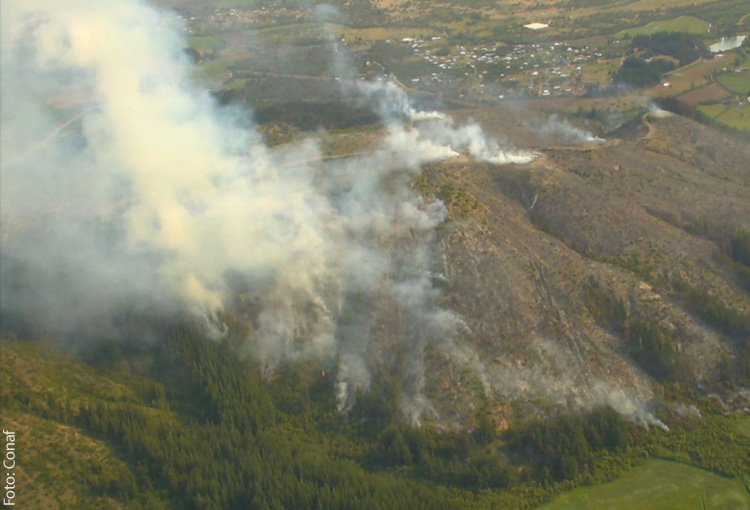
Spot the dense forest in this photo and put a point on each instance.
(641, 68)
(686, 48)
(198, 427)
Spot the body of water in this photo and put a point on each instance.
(727, 43)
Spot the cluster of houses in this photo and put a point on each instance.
(538, 69)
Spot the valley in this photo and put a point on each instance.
(378, 254)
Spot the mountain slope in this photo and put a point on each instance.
(535, 251)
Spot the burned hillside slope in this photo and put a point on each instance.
(591, 276)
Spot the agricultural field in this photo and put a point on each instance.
(697, 74)
(205, 43)
(458, 51)
(688, 24)
(708, 94)
(659, 485)
(645, 5)
(737, 117)
(739, 83)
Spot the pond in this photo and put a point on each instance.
(727, 43)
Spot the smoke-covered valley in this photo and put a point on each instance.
(470, 265)
(148, 198)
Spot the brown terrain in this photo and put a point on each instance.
(528, 242)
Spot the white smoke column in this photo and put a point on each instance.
(656, 111)
(391, 101)
(473, 140)
(684, 410)
(147, 198)
(621, 401)
(436, 128)
(567, 131)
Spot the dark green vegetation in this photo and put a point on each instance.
(685, 48)
(640, 73)
(644, 70)
(187, 424)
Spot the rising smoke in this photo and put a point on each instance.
(566, 132)
(125, 188)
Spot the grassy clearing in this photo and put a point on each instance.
(659, 485)
(743, 426)
(694, 75)
(601, 70)
(205, 43)
(382, 33)
(239, 4)
(737, 118)
(170, 3)
(62, 467)
(713, 110)
(650, 5)
(217, 70)
(236, 84)
(739, 83)
(289, 29)
(687, 24)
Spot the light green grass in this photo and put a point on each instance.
(236, 84)
(648, 5)
(743, 426)
(687, 24)
(214, 70)
(247, 4)
(291, 28)
(713, 110)
(737, 83)
(659, 485)
(737, 118)
(205, 43)
(171, 3)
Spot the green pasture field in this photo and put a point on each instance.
(649, 5)
(251, 4)
(687, 24)
(659, 485)
(694, 75)
(205, 43)
(713, 110)
(735, 117)
(739, 83)
(743, 426)
(290, 28)
(236, 84)
(383, 33)
(214, 70)
(738, 118)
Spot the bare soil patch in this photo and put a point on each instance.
(707, 94)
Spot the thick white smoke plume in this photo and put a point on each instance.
(627, 405)
(567, 132)
(124, 188)
(438, 128)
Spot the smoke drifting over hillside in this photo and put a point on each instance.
(145, 197)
